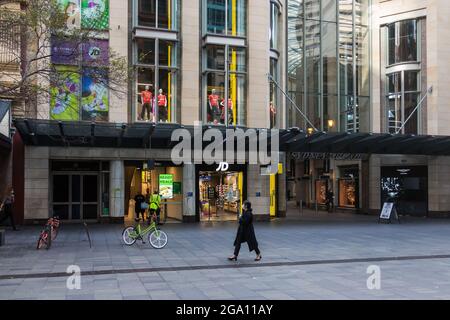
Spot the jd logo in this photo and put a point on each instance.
(94, 52)
(223, 166)
(74, 281)
(374, 280)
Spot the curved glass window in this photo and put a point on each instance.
(402, 42)
(274, 26)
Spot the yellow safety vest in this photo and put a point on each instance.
(155, 200)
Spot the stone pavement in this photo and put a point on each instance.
(304, 258)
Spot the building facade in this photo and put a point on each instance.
(378, 67)
(198, 60)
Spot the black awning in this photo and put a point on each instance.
(158, 136)
(295, 140)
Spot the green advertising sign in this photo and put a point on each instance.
(166, 186)
(95, 14)
(177, 188)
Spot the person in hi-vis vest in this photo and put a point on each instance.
(155, 203)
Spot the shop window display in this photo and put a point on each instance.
(347, 193)
(219, 196)
(321, 192)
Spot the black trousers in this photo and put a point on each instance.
(158, 214)
(146, 107)
(8, 214)
(237, 248)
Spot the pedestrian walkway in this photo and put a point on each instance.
(301, 259)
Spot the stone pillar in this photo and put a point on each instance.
(117, 189)
(374, 184)
(258, 192)
(189, 187)
(439, 187)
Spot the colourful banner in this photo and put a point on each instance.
(95, 14)
(166, 186)
(71, 9)
(64, 93)
(96, 53)
(94, 96)
(64, 52)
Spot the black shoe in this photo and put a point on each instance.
(234, 258)
(258, 258)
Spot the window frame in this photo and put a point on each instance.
(156, 67)
(175, 16)
(226, 73)
(205, 31)
(418, 46)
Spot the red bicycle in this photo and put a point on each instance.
(49, 233)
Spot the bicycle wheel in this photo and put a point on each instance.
(158, 239)
(127, 236)
(43, 240)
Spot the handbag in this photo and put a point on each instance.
(144, 205)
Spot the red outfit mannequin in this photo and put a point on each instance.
(162, 106)
(146, 99)
(214, 110)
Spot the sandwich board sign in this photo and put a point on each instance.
(388, 212)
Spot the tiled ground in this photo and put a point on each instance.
(306, 240)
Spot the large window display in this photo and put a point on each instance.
(224, 80)
(403, 41)
(220, 195)
(225, 17)
(156, 80)
(348, 187)
(407, 187)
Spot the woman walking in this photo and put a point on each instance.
(246, 233)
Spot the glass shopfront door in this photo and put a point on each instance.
(75, 196)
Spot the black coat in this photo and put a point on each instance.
(246, 232)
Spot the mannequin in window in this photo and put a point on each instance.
(213, 107)
(162, 106)
(273, 114)
(230, 111)
(146, 100)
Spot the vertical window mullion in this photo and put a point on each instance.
(156, 77)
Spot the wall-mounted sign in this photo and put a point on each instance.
(166, 186)
(326, 156)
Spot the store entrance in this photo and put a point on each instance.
(220, 195)
(140, 179)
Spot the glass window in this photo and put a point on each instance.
(226, 17)
(403, 91)
(274, 25)
(220, 84)
(273, 104)
(402, 42)
(161, 14)
(156, 85)
(145, 51)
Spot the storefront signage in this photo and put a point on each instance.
(177, 188)
(326, 156)
(388, 212)
(166, 186)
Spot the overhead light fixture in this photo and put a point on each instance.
(330, 123)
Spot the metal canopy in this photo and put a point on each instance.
(158, 136)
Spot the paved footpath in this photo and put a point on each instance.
(302, 259)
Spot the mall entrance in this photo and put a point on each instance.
(144, 177)
(220, 194)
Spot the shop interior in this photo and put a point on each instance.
(220, 195)
(140, 179)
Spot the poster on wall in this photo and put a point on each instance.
(96, 53)
(64, 93)
(94, 95)
(72, 12)
(95, 14)
(166, 186)
(64, 51)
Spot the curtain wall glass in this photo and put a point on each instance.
(160, 14)
(226, 17)
(328, 64)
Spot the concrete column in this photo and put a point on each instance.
(258, 192)
(117, 189)
(189, 199)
